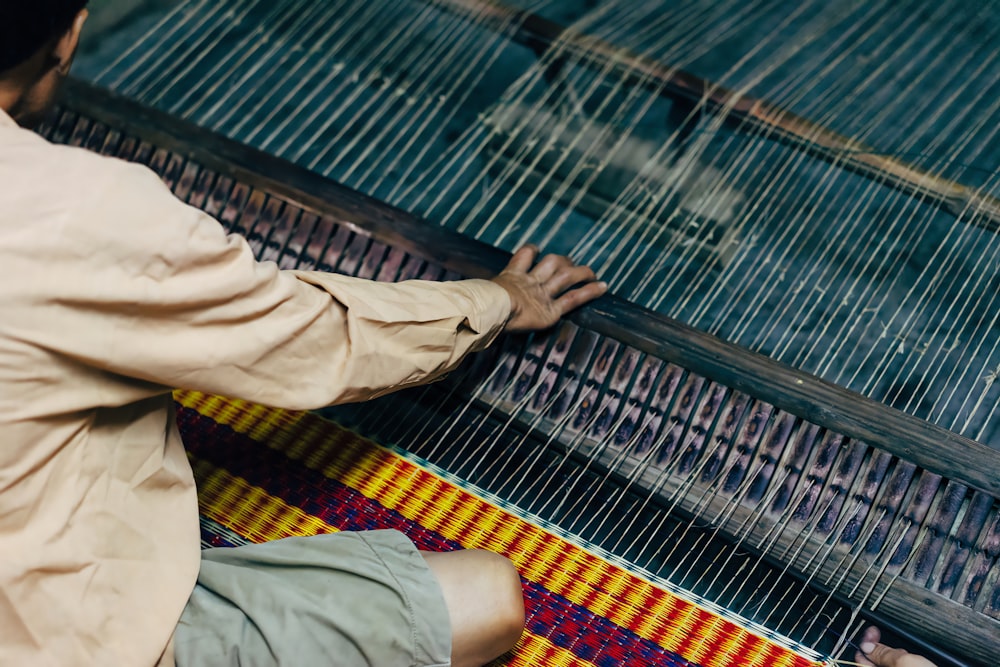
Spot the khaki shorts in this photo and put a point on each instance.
(346, 599)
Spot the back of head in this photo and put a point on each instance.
(28, 25)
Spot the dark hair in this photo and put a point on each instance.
(26, 25)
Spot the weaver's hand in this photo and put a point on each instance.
(542, 293)
(880, 655)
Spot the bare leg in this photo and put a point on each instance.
(485, 603)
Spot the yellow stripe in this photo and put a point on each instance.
(534, 650)
(249, 510)
(457, 515)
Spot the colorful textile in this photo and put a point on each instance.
(265, 474)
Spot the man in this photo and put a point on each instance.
(111, 294)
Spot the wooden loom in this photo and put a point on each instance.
(912, 479)
(710, 447)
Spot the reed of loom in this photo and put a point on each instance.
(921, 475)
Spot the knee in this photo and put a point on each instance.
(512, 597)
(485, 603)
(508, 597)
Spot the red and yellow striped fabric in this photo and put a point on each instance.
(583, 609)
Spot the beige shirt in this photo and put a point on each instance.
(112, 292)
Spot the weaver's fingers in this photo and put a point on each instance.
(575, 298)
(523, 259)
(874, 653)
(549, 266)
(883, 656)
(566, 277)
(871, 636)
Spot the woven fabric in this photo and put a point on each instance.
(265, 474)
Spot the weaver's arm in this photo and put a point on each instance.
(168, 298)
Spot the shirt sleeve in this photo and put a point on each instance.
(150, 288)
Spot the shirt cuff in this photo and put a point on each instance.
(491, 308)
